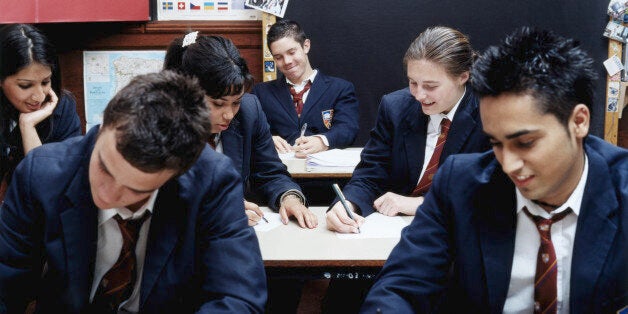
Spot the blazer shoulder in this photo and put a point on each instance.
(220, 167)
(334, 80)
(400, 104)
(470, 167)
(616, 158)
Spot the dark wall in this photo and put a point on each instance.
(364, 41)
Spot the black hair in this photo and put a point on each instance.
(215, 61)
(20, 46)
(552, 69)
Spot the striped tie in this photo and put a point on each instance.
(432, 166)
(117, 284)
(545, 281)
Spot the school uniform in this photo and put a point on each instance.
(250, 146)
(200, 254)
(393, 157)
(330, 109)
(458, 252)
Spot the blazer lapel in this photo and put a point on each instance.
(414, 139)
(281, 91)
(232, 144)
(79, 222)
(320, 85)
(165, 226)
(496, 217)
(463, 125)
(596, 230)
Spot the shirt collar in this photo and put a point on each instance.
(435, 119)
(106, 214)
(311, 79)
(574, 201)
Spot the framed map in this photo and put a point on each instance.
(106, 72)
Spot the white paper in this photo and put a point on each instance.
(377, 226)
(274, 220)
(613, 65)
(335, 158)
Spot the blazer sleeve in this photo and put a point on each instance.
(66, 121)
(414, 277)
(371, 176)
(345, 122)
(20, 257)
(268, 174)
(233, 276)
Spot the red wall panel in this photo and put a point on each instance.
(45, 11)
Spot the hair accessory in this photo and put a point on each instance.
(189, 39)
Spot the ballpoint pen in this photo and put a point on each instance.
(303, 128)
(343, 200)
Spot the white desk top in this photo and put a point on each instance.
(291, 245)
(298, 168)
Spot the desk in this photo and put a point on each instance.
(299, 169)
(289, 251)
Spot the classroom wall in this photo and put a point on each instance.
(364, 41)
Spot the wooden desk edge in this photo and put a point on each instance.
(323, 263)
(320, 175)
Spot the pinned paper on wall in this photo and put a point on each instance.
(274, 7)
(613, 65)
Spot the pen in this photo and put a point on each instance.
(303, 129)
(343, 200)
(266, 220)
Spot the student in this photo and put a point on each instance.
(409, 140)
(31, 113)
(239, 129)
(475, 238)
(141, 202)
(327, 104)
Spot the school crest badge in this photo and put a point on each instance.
(327, 116)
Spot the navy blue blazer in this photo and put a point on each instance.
(200, 253)
(465, 232)
(250, 146)
(62, 124)
(327, 95)
(393, 157)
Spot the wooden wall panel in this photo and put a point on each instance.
(72, 39)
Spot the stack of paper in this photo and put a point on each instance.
(341, 158)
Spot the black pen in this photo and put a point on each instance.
(343, 200)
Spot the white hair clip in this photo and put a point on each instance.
(189, 39)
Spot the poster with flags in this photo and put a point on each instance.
(205, 10)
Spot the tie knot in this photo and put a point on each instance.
(131, 227)
(299, 96)
(544, 224)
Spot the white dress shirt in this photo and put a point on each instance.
(520, 298)
(110, 245)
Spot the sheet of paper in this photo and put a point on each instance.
(335, 158)
(274, 220)
(377, 226)
(613, 65)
